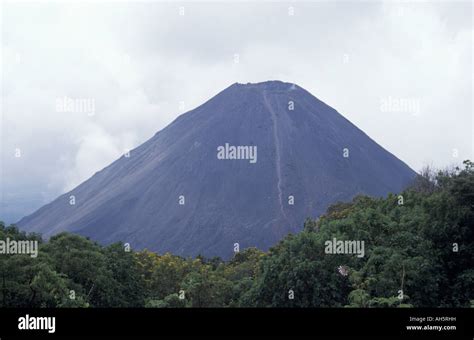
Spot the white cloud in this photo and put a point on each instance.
(138, 61)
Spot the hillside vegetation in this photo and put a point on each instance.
(419, 252)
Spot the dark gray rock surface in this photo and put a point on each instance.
(299, 153)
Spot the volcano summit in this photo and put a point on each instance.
(174, 194)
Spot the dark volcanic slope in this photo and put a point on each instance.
(300, 153)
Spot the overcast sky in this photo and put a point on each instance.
(139, 62)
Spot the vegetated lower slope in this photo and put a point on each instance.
(418, 253)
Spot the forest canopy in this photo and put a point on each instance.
(418, 252)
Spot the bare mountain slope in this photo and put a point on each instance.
(299, 153)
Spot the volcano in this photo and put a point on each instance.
(247, 167)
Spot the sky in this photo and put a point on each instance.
(83, 82)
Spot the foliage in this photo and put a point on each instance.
(419, 251)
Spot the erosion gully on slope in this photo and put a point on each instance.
(277, 150)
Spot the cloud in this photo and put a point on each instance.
(138, 61)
